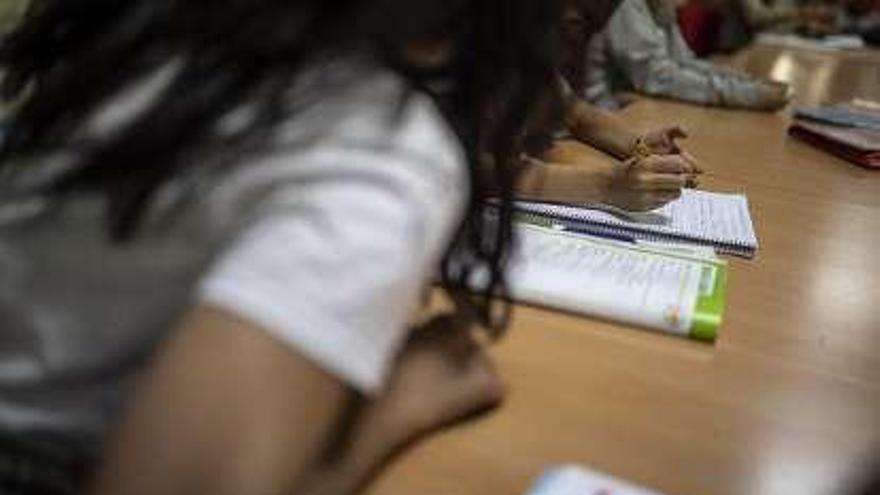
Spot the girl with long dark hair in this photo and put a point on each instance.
(217, 220)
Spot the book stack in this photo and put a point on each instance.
(850, 131)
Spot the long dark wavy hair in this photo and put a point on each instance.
(71, 54)
(581, 21)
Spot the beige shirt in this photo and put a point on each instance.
(638, 52)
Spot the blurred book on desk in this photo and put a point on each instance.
(860, 114)
(850, 131)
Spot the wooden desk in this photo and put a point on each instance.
(788, 400)
(817, 76)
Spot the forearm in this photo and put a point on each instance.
(665, 77)
(603, 130)
(569, 172)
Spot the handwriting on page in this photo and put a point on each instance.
(587, 276)
(711, 216)
(621, 270)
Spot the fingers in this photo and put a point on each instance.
(695, 167)
(664, 173)
(663, 140)
(668, 196)
(675, 132)
(665, 164)
(648, 202)
(664, 182)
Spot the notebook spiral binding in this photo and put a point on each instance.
(600, 229)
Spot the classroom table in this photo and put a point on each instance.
(786, 402)
(820, 76)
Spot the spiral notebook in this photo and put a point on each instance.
(720, 221)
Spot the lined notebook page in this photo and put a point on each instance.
(696, 214)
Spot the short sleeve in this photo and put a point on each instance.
(341, 243)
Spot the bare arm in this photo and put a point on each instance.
(225, 410)
(600, 129)
(572, 172)
(609, 133)
(553, 177)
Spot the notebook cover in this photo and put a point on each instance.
(843, 115)
(858, 146)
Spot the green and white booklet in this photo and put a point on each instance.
(675, 289)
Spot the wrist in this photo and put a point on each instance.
(609, 179)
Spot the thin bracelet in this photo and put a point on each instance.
(641, 148)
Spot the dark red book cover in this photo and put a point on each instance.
(859, 146)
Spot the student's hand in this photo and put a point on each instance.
(647, 183)
(574, 173)
(663, 141)
(778, 95)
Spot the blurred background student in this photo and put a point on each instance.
(810, 18)
(860, 18)
(713, 26)
(641, 49)
(218, 220)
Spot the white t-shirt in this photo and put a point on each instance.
(325, 239)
